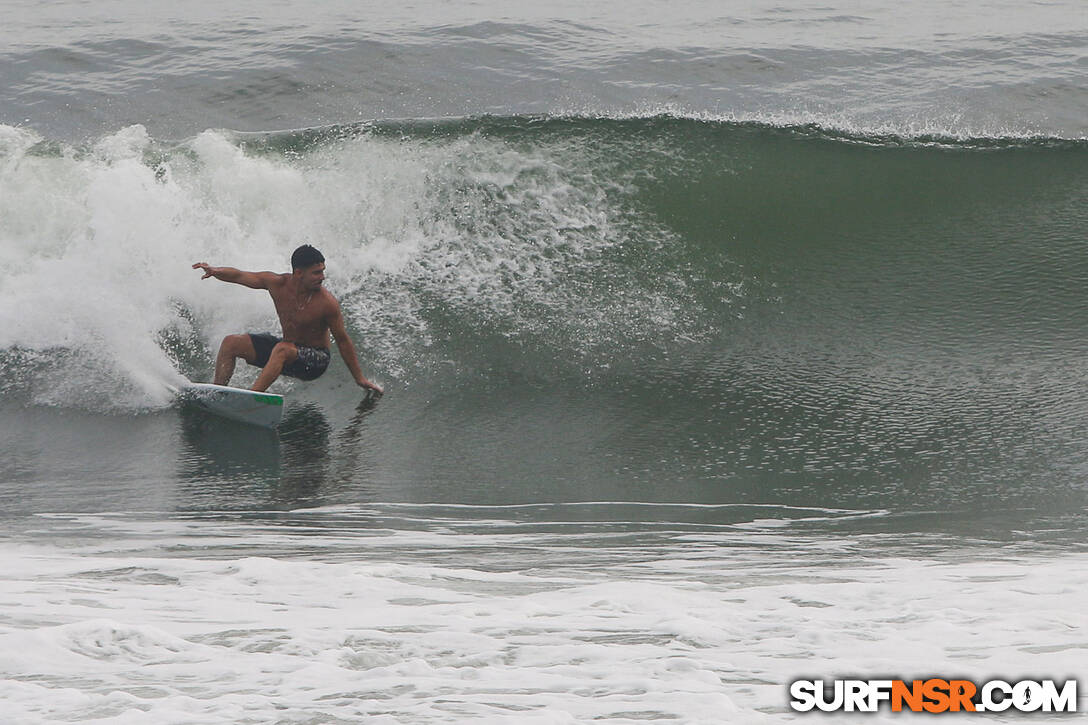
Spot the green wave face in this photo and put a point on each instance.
(684, 309)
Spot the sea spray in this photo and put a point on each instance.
(522, 237)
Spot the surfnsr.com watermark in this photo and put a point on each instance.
(934, 695)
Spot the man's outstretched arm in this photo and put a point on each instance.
(256, 280)
(347, 350)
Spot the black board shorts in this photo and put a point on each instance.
(310, 365)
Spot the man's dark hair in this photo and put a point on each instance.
(306, 256)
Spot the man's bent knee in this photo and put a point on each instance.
(240, 346)
(285, 351)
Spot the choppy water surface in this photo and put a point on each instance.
(994, 67)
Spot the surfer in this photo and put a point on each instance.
(308, 314)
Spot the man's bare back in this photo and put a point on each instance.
(308, 315)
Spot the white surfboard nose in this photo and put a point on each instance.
(244, 406)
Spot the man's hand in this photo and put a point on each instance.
(208, 271)
(371, 386)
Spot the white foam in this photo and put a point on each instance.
(432, 626)
(96, 247)
(939, 127)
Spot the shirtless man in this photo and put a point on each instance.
(308, 313)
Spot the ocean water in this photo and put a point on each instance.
(725, 344)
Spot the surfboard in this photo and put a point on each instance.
(244, 406)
